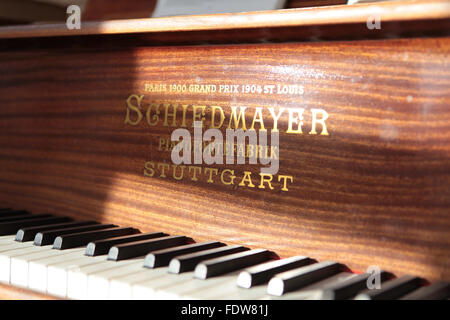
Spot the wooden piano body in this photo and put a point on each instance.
(374, 191)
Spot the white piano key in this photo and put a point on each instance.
(5, 261)
(77, 278)
(200, 289)
(5, 267)
(312, 291)
(98, 283)
(57, 273)
(6, 239)
(229, 290)
(149, 289)
(15, 245)
(121, 287)
(177, 286)
(20, 263)
(145, 293)
(37, 269)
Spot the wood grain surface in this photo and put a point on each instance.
(375, 191)
(14, 293)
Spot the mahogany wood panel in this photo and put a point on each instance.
(375, 191)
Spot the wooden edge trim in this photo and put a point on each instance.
(12, 293)
(360, 13)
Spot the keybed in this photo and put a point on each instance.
(129, 264)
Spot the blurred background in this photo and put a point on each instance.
(13, 12)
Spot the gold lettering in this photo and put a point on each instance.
(249, 152)
(265, 177)
(210, 171)
(274, 152)
(134, 108)
(263, 151)
(236, 118)
(247, 178)
(232, 176)
(183, 123)
(172, 114)
(172, 144)
(163, 167)
(149, 167)
(258, 112)
(196, 115)
(321, 121)
(162, 142)
(240, 150)
(174, 172)
(295, 120)
(155, 116)
(213, 113)
(228, 148)
(284, 178)
(227, 176)
(275, 117)
(196, 170)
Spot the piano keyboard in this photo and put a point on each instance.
(89, 260)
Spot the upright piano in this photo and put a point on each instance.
(120, 177)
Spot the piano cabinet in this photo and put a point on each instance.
(375, 190)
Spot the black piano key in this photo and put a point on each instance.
(141, 248)
(12, 213)
(188, 262)
(8, 218)
(301, 277)
(23, 216)
(28, 234)
(436, 291)
(349, 288)
(162, 257)
(79, 239)
(263, 273)
(222, 265)
(392, 289)
(12, 226)
(48, 237)
(100, 247)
